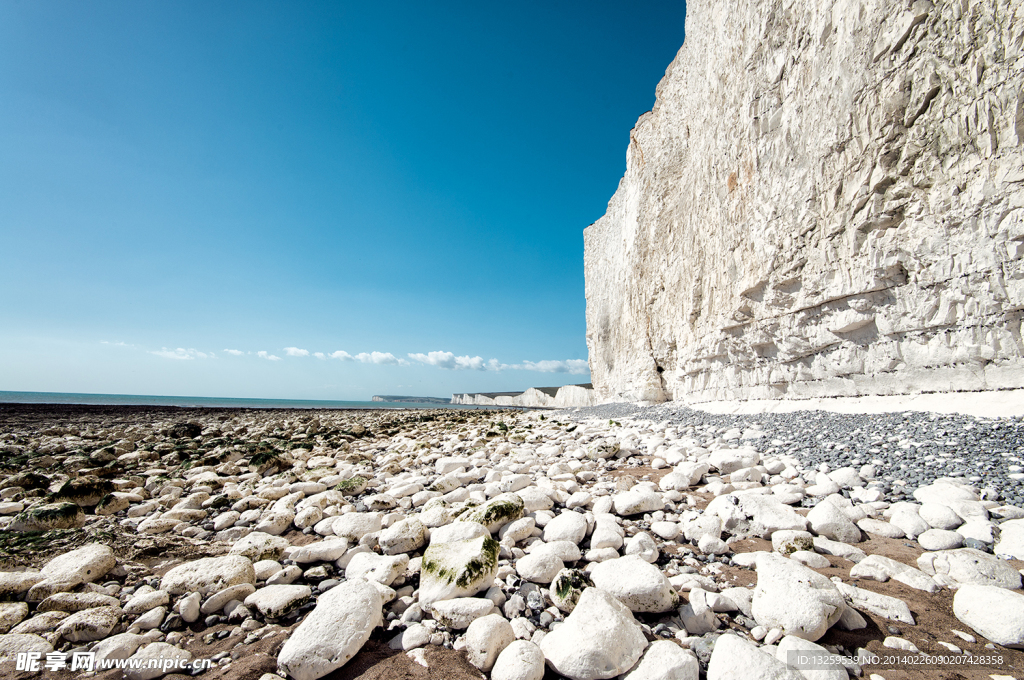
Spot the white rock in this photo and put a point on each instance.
(373, 567)
(89, 624)
(167, 654)
(151, 619)
(734, 658)
(143, 602)
(939, 516)
(828, 520)
(812, 660)
(793, 598)
(457, 568)
(636, 583)
(278, 601)
(327, 550)
(639, 499)
(993, 612)
(486, 638)
(1011, 539)
(520, 660)
(404, 536)
(607, 532)
(940, 539)
(189, 607)
(11, 614)
(643, 546)
(539, 567)
(216, 602)
(788, 542)
(119, 646)
(458, 613)
(333, 632)
(568, 526)
(83, 565)
(259, 546)
(910, 523)
(880, 528)
(12, 644)
(967, 565)
(668, 531)
(883, 605)
(497, 512)
(665, 660)
(600, 639)
(355, 525)
(810, 559)
(208, 575)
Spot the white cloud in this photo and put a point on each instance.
(182, 353)
(235, 352)
(449, 361)
(296, 352)
(319, 355)
(115, 344)
(269, 357)
(572, 366)
(379, 358)
(341, 355)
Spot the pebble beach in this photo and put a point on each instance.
(651, 542)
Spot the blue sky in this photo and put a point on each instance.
(403, 186)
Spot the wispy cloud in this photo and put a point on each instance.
(573, 366)
(269, 357)
(449, 361)
(234, 352)
(296, 352)
(182, 353)
(342, 355)
(115, 344)
(379, 358)
(319, 355)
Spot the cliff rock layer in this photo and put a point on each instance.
(827, 198)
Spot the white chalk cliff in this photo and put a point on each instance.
(827, 199)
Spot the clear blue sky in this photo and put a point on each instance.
(180, 179)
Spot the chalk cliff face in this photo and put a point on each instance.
(827, 198)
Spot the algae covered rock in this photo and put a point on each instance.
(49, 516)
(567, 587)
(86, 491)
(352, 486)
(457, 568)
(497, 512)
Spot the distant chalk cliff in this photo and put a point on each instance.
(826, 199)
(567, 396)
(410, 400)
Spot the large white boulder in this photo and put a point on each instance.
(568, 526)
(403, 536)
(208, 575)
(968, 565)
(635, 583)
(457, 568)
(828, 520)
(993, 612)
(497, 512)
(734, 658)
(520, 660)
(333, 632)
(486, 638)
(793, 598)
(83, 565)
(599, 640)
(665, 660)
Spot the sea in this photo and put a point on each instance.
(215, 402)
